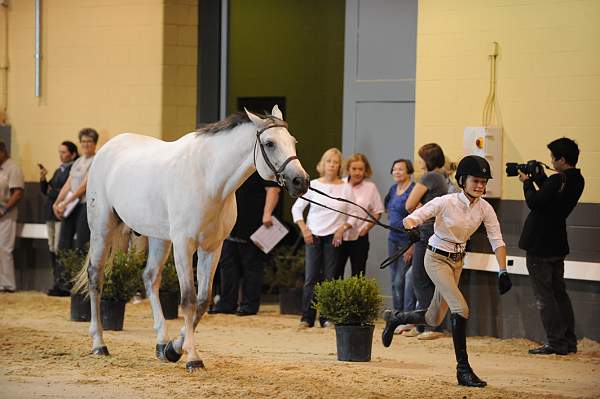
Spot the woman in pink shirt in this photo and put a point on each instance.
(356, 240)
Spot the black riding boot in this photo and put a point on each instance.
(464, 373)
(394, 318)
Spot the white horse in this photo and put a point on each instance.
(181, 192)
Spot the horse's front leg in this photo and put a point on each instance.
(183, 251)
(158, 252)
(207, 265)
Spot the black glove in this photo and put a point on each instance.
(413, 234)
(504, 283)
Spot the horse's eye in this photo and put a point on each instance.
(269, 144)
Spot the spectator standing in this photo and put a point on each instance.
(67, 153)
(431, 185)
(11, 192)
(242, 263)
(356, 240)
(449, 169)
(323, 230)
(395, 205)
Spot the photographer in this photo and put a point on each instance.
(544, 237)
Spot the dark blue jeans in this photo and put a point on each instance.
(552, 299)
(74, 233)
(398, 271)
(410, 300)
(422, 284)
(320, 264)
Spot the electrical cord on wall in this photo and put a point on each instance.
(490, 101)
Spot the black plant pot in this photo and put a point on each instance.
(113, 314)
(169, 302)
(290, 301)
(80, 308)
(354, 343)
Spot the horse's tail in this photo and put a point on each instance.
(118, 241)
(80, 281)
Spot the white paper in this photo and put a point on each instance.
(266, 238)
(71, 205)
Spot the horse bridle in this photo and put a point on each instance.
(278, 172)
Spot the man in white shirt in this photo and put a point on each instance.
(11, 192)
(457, 217)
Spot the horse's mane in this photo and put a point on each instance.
(232, 121)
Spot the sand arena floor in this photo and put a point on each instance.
(44, 355)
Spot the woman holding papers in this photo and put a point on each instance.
(70, 205)
(323, 230)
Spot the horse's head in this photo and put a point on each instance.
(275, 153)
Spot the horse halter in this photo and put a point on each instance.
(278, 172)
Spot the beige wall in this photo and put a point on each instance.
(179, 68)
(115, 66)
(548, 78)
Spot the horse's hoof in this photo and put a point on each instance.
(101, 351)
(170, 353)
(194, 365)
(160, 352)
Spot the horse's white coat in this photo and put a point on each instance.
(181, 192)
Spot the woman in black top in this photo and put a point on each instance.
(67, 152)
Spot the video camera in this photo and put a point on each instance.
(532, 168)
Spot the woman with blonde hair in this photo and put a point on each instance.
(356, 241)
(323, 230)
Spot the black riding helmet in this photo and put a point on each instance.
(472, 165)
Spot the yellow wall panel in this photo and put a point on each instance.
(548, 77)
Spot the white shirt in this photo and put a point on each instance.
(322, 221)
(456, 219)
(79, 171)
(367, 196)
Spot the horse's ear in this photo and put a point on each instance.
(276, 112)
(258, 122)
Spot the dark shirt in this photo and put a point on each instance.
(250, 197)
(436, 187)
(52, 188)
(545, 230)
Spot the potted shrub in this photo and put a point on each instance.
(169, 290)
(286, 275)
(353, 305)
(72, 260)
(121, 282)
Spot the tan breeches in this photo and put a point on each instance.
(445, 274)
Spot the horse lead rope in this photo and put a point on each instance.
(413, 234)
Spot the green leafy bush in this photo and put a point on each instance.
(124, 278)
(72, 260)
(353, 301)
(286, 270)
(170, 281)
